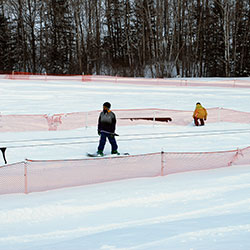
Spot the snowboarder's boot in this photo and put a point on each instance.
(100, 153)
(115, 152)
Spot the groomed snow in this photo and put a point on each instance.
(196, 210)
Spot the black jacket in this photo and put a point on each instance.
(107, 122)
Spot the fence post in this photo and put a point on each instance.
(162, 162)
(235, 157)
(3, 153)
(86, 120)
(219, 114)
(25, 178)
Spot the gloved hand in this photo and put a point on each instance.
(99, 132)
(112, 135)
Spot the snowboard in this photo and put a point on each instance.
(112, 155)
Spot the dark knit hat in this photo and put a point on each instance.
(107, 104)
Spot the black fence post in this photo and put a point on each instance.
(3, 152)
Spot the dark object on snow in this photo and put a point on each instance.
(3, 152)
(157, 119)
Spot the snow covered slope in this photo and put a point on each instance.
(196, 210)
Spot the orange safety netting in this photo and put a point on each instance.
(12, 178)
(42, 77)
(215, 82)
(128, 117)
(35, 176)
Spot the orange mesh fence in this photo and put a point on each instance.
(34, 176)
(215, 82)
(67, 121)
(47, 175)
(12, 178)
(42, 77)
(183, 162)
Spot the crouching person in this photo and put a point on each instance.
(199, 115)
(106, 129)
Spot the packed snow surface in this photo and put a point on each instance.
(196, 210)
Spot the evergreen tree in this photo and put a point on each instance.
(242, 40)
(214, 43)
(61, 42)
(6, 45)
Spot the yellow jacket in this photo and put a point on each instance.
(200, 112)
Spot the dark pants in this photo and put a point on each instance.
(196, 122)
(111, 139)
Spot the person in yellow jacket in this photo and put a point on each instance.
(200, 113)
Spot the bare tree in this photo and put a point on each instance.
(155, 38)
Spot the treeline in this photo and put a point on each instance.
(153, 38)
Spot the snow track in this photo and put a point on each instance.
(124, 138)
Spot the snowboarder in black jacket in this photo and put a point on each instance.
(106, 129)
